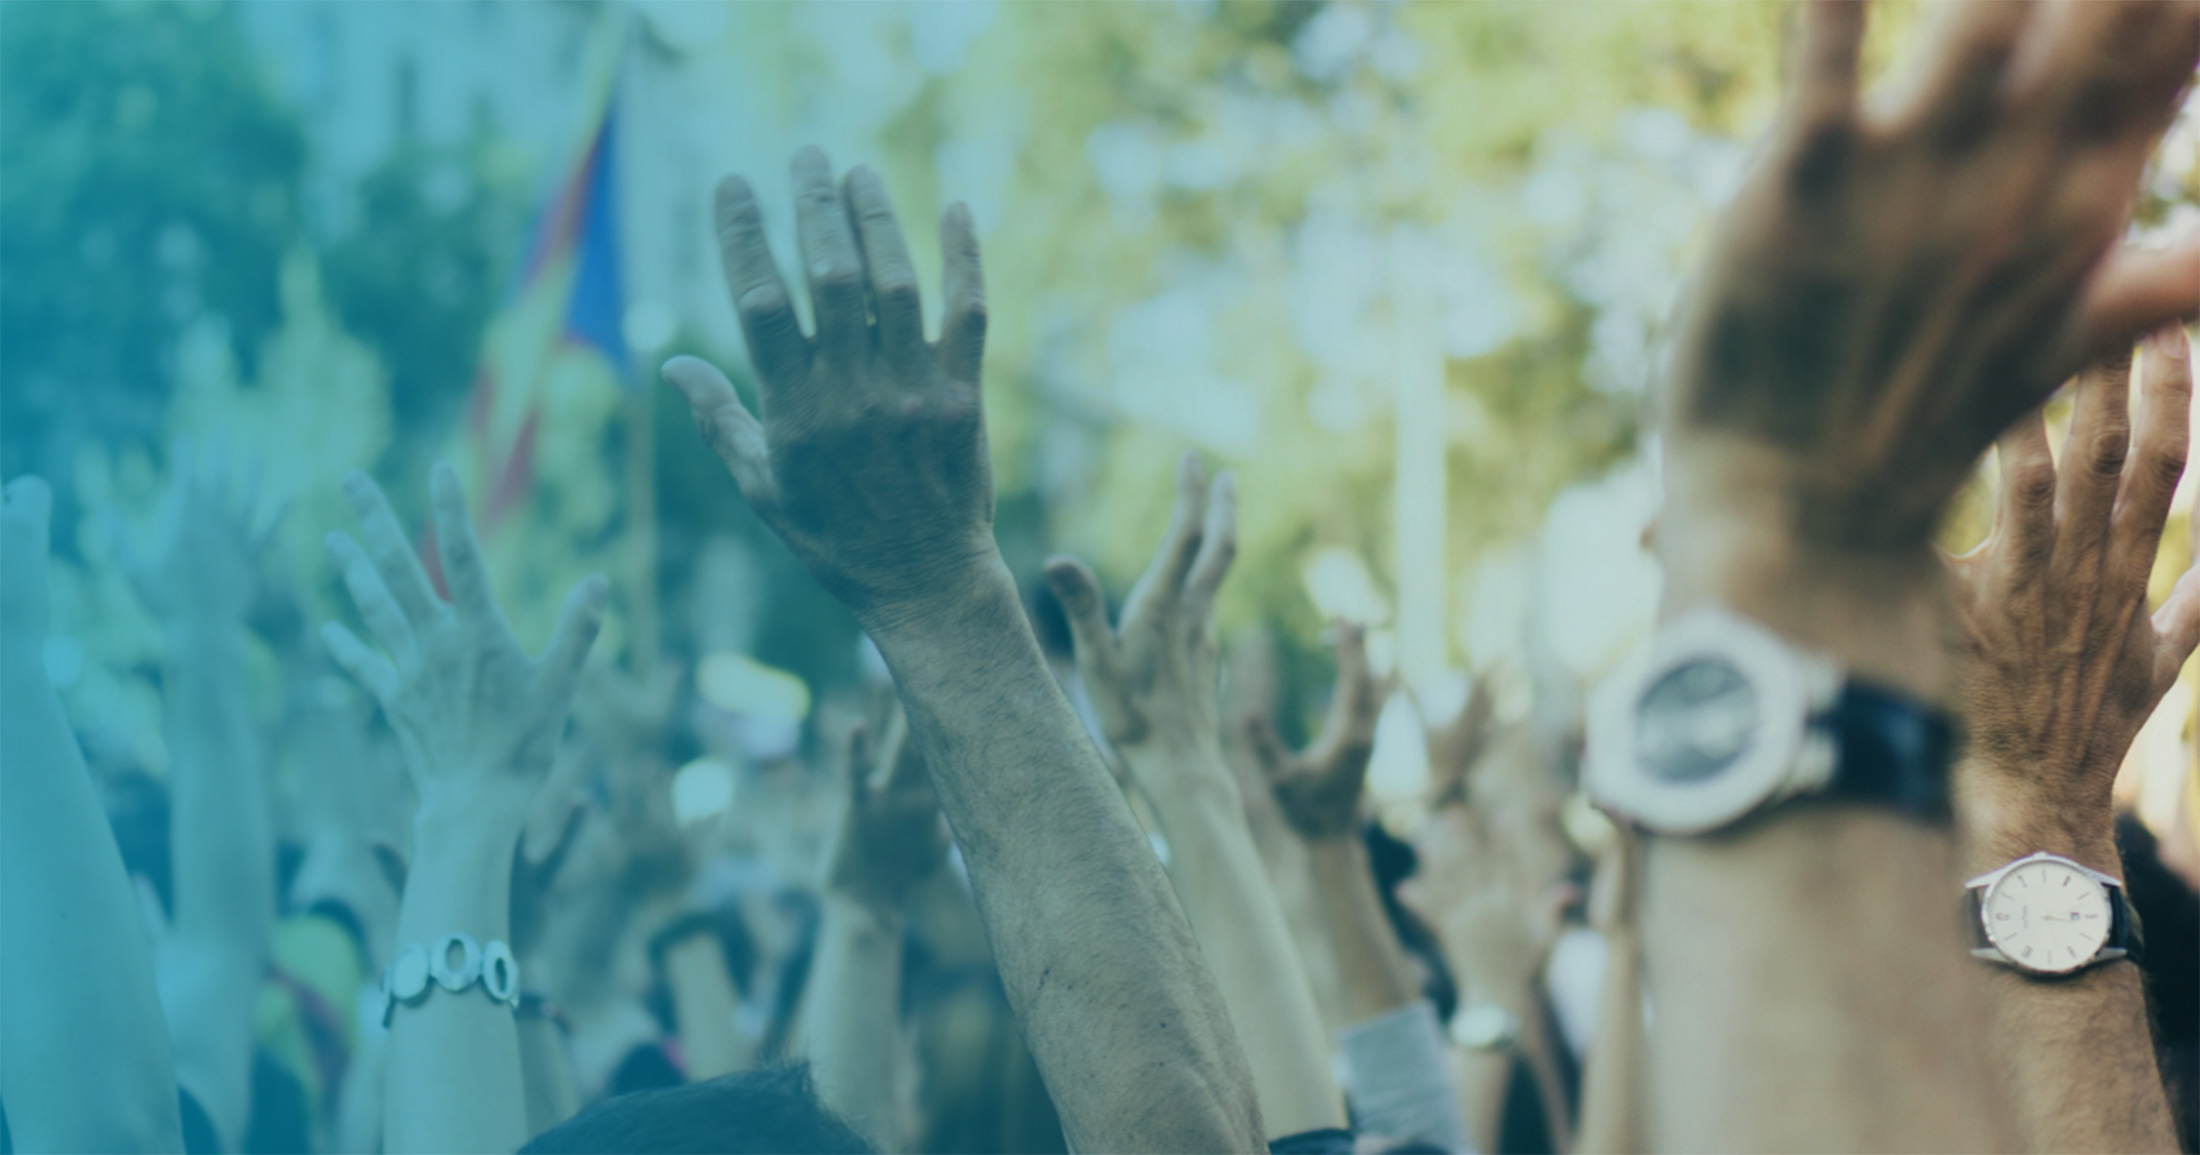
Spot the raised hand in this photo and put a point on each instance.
(891, 836)
(2060, 661)
(1152, 678)
(867, 454)
(1456, 746)
(1319, 787)
(1897, 285)
(1496, 928)
(2060, 664)
(204, 564)
(1152, 682)
(477, 719)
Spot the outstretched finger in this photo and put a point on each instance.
(376, 606)
(393, 555)
(2092, 462)
(1274, 757)
(886, 268)
(905, 770)
(2024, 509)
(726, 425)
(1357, 702)
(2160, 437)
(1087, 610)
(962, 325)
(1217, 547)
(1957, 81)
(2139, 290)
(369, 669)
(830, 262)
(1827, 57)
(1164, 578)
(463, 569)
(560, 666)
(2177, 625)
(777, 347)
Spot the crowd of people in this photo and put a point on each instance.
(1838, 854)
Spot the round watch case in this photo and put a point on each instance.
(2020, 903)
(1782, 753)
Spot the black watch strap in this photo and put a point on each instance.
(1890, 751)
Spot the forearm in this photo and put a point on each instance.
(851, 1028)
(546, 1068)
(1373, 974)
(1611, 1079)
(1771, 944)
(1095, 954)
(1245, 940)
(453, 1081)
(223, 856)
(223, 832)
(704, 1003)
(84, 1058)
(2078, 1051)
(1483, 1077)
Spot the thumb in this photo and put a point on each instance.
(1079, 592)
(1268, 747)
(727, 426)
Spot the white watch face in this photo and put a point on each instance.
(1695, 721)
(2047, 916)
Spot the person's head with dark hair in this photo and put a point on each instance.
(768, 1109)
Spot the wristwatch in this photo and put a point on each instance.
(1719, 717)
(2046, 915)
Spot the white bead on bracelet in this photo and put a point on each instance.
(406, 981)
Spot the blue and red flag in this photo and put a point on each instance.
(561, 329)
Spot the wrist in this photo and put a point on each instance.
(449, 821)
(977, 589)
(1996, 827)
(1186, 777)
(1879, 612)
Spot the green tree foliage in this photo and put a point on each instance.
(152, 186)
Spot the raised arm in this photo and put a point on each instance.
(1895, 286)
(2061, 664)
(84, 1060)
(199, 581)
(1152, 682)
(1611, 1077)
(890, 840)
(1392, 1045)
(478, 722)
(1497, 930)
(868, 458)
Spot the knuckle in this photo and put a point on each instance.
(837, 277)
(2105, 453)
(2165, 464)
(2033, 484)
(895, 289)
